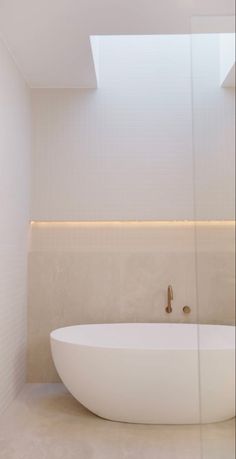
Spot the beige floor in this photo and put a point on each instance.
(45, 422)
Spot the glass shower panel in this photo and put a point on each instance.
(213, 105)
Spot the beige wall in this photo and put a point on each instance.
(91, 273)
(14, 225)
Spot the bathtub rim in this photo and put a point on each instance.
(196, 345)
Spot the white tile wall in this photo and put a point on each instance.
(124, 151)
(213, 133)
(14, 225)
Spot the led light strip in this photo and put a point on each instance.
(136, 223)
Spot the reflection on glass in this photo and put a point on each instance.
(213, 62)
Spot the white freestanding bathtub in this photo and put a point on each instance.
(149, 373)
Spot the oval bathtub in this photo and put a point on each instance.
(149, 373)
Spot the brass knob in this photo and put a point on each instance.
(186, 309)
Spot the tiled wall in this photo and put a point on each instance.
(126, 151)
(123, 151)
(213, 114)
(119, 272)
(14, 225)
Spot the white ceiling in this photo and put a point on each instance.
(49, 39)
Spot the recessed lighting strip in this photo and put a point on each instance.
(142, 223)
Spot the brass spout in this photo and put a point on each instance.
(170, 297)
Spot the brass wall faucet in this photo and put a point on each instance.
(170, 297)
